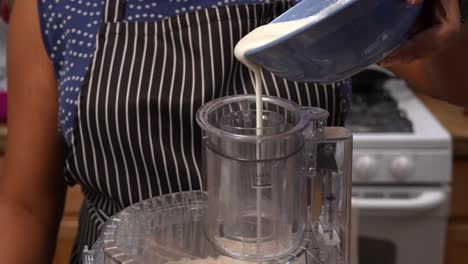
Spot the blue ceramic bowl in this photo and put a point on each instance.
(348, 36)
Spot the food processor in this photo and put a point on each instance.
(279, 196)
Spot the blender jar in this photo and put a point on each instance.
(257, 185)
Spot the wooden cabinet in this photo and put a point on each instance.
(457, 243)
(459, 197)
(457, 229)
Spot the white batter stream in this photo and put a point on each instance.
(258, 37)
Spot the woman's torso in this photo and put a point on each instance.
(128, 97)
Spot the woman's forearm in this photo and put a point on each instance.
(32, 187)
(24, 238)
(443, 75)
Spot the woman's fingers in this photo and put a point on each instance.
(437, 27)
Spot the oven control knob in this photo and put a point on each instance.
(365, 168)
(402, 168)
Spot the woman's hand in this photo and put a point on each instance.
(435, 59)
(437, 27)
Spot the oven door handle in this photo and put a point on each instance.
(425, 201)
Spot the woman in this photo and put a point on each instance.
(124, 102)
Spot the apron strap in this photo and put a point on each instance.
(114, 11)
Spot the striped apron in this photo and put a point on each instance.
(136, 136)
